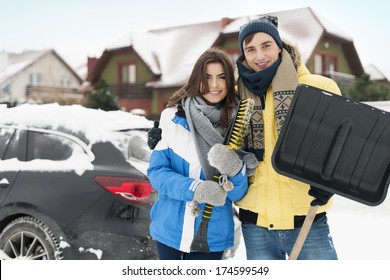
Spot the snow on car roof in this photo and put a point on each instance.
(95, 125)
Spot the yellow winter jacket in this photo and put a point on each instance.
(276, 198)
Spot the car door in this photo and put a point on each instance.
(54, 176)
(11, 143)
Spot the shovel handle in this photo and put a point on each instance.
(303, 232)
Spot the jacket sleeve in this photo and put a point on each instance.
(240, 182)
(166, 181)
(164, 177)
(332, 87)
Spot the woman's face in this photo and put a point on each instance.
(261, 52)
(217, 83)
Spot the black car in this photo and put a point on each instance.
(73, 184)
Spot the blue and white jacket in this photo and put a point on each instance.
(174, 173)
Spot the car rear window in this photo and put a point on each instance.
(134, 147)
(50, 147)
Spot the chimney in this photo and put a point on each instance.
(225, 21)
(92, 61)
(3, 60)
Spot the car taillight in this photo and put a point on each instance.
(129, 189)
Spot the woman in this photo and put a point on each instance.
(197, 118)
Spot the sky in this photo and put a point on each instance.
(77, 29)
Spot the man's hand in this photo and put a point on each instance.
(154, 135)
(321, 197)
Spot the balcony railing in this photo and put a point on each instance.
(58, 94)
(131, 90)
(340, 78)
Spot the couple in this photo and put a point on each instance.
(272, 207)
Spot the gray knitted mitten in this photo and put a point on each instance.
(210, 192)
(225, 160)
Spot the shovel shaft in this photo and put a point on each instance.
(303, 233)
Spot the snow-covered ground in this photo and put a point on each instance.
(359, 232)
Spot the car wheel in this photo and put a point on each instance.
(29, 238)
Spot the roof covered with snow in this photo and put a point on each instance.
(374, 72)
(170, 53)
(13, 63)
(303, 27)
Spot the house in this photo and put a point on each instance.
(145, 69)
(37, 76)
(375, 74)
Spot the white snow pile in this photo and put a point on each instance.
(93, 123)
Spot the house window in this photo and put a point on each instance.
(317, 64)
(65, 82)
(325, 63)
(128, 80)
(5, 92)
(6, 88)
(35, 79)
(128, 74)
(331, 64)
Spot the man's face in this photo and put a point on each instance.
(261, 52)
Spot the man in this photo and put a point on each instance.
(274, 208)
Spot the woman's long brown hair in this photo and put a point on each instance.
(198, 81)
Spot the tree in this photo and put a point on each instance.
(365, 89)
(102, 98)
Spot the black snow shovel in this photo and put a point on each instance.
(336, 144)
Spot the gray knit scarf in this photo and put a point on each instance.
(204, 123)
(206, 130)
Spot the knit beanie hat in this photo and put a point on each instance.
(266, 24)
